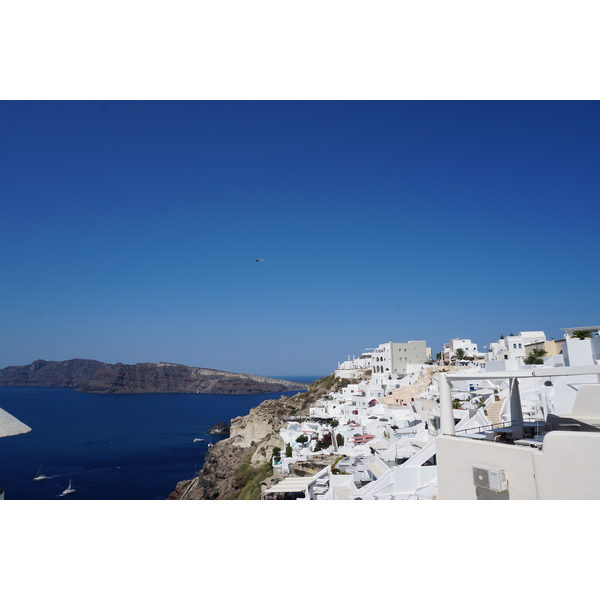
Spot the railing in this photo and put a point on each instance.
(484, 427)
(493, 425)
(490, 428)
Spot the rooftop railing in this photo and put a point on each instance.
(483, 428)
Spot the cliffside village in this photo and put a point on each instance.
(518, 421)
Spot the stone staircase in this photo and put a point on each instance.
(428, 408)
(404, 394)
(375, 467)
(493, 411)
(342, 491)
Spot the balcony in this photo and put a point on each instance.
(528, 433)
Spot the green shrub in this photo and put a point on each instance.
(535, 357)
(288, 451)
(302, 439)
(249, 478)
(582, 334)
(337, 460)
(325, 382)
(323, 443)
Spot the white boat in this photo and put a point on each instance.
(69, 490)
(199, 440)
(40, 476)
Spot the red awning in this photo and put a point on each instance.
(363, 438)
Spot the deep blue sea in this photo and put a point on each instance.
(112, 446)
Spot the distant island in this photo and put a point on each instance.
(92, 376)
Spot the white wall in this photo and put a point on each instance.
(578, 352)
(456, 458)
(408, 479)
(596, 349)
(566, 468)
(565, 389)
(515, 346)
(501, 365)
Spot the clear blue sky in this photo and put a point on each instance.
(129, 230)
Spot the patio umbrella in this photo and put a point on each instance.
(516, 414)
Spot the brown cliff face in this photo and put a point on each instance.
(255, 434)
(92, 376)
(67, 373)
(214, 481)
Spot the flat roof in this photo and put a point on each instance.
(290, 484)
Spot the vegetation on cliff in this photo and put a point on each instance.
(235, 468)
(248, 479)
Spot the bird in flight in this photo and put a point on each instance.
(259, 259)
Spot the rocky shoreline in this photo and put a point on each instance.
(219, 429)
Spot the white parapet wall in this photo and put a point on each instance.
(566, 468)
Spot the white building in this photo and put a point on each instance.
(469, 347)
(556, 458)
(353, 367)
(393, 358)
(578, 352)
(518, 432)
(512, 347)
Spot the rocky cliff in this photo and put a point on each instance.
(93, 376)
(219, 429)
(233, 465)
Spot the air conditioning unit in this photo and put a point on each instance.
(490, 479)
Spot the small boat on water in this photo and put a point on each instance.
(199, 440)
(69, 490)
(40, 476)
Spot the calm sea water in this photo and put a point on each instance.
(112, 447)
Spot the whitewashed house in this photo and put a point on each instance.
(469, 347)
(508, 353)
